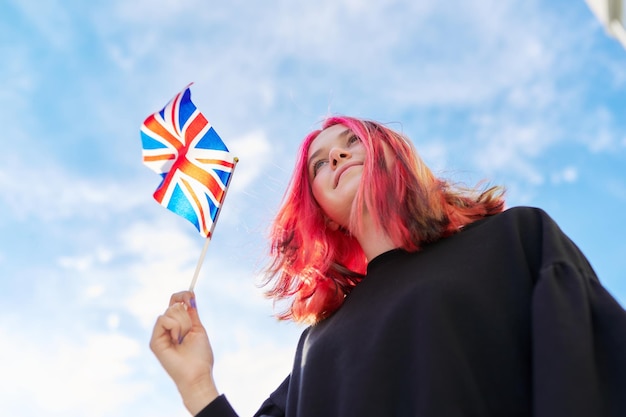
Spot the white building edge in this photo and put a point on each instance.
(612, 14)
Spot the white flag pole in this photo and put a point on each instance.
(208, 239)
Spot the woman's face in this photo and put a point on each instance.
(335, 164)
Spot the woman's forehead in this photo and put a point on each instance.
(328, 136)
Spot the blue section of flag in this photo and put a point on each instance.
(148, 143)
(211, 140)
(186, 108)
(179, 204)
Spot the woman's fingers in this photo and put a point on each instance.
(189, 300)
(182, 297)
(162, 335)
(171, 327)
(178, 312)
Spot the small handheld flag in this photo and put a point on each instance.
(195, 165)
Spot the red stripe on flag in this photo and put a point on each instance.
(158, 129)
(216, 162)
(195, 127)
(154, 158)
(175, 106)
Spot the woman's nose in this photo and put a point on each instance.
(337, 154)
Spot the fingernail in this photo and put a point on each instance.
(192, 302)
(180, 340)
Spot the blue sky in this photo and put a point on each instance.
(528, 94)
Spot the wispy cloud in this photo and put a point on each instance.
(67, 375)
(51, 21)
(46, 190)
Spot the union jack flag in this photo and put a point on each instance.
(195, 165)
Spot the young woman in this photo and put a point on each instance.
(423, 299)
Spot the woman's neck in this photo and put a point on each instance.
(374, 241)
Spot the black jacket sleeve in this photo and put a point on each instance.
(219, 407)
(579, 345)
(274, 406)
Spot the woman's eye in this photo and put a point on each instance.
(317, 165)
(352, 139)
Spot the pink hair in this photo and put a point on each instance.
(314, 267)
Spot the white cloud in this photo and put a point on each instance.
(63, 377)
(19, 77)
(507, 146)
(435, 154)
(94, 291)
(568, 174)
(501, 45)
(81, 263)
(113, 321)
(254, 152)
(251, 372)
(86, 261)
(599, 133)
(48, 191)
(164, 258)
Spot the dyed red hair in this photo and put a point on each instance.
(314, 267)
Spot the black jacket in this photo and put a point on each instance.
(505, 318)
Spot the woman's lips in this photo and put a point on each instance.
(343, 169)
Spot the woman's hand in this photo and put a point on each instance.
(181, 344)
